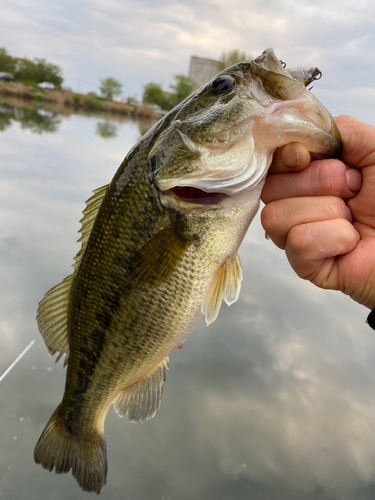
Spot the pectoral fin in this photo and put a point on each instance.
(212, 304)
(227, 286)
(234, 281)
(157, 260)
(141, 400)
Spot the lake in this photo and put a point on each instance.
(275, 400)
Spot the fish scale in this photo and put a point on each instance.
(159, 250)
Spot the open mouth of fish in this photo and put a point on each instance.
(213, 181)
(190, 194)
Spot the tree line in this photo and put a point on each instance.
(30, 71)
(39, 70)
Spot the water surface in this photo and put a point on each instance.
(275, 400)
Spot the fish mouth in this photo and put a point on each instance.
(195, 196)
(213, 181)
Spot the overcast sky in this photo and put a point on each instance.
(137, 41)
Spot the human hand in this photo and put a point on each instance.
(323, 214)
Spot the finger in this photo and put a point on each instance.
(312, 249)
(279, 217)
(363, 205)
(358, 141)
(292, 157)
(321, 177)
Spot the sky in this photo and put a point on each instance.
(138, 41)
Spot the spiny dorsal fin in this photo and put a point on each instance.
(227, 286)
(88, 219)
(53, 310)
(141, 400)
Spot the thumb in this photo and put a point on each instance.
(291, 157)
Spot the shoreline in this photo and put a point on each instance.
(74, 101)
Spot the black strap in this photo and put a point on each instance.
(371, 319)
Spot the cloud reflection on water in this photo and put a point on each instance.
(274, 400)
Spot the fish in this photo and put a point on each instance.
(159, 250)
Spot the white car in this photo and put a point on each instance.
(46, 85)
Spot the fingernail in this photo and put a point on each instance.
(353, 179)
(290, 155)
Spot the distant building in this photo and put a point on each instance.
(6, 77)
(202, 70)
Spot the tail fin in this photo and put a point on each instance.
(86, 458)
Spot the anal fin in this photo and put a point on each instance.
(141, 400)
(226, 285)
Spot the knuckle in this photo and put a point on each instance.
(347, 233)
(299, 239)
(338, 208)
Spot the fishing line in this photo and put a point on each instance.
(16, 360)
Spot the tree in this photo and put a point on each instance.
(231, 57)
(182, 87)
(48, 72)
(110, 88)
(169, 101)
(131, 101)
(38, 70)
(106, 129)
(152, 93)
(7, 63)
(5, 121)
(38, 122)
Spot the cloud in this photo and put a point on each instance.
(138, 42)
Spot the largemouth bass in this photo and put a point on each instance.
(159, 250)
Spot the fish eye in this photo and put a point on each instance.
(223, 84)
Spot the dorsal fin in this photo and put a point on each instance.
(141, 400)
(53, 309)
(52, 318)
(226, 285)
(88, 219)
